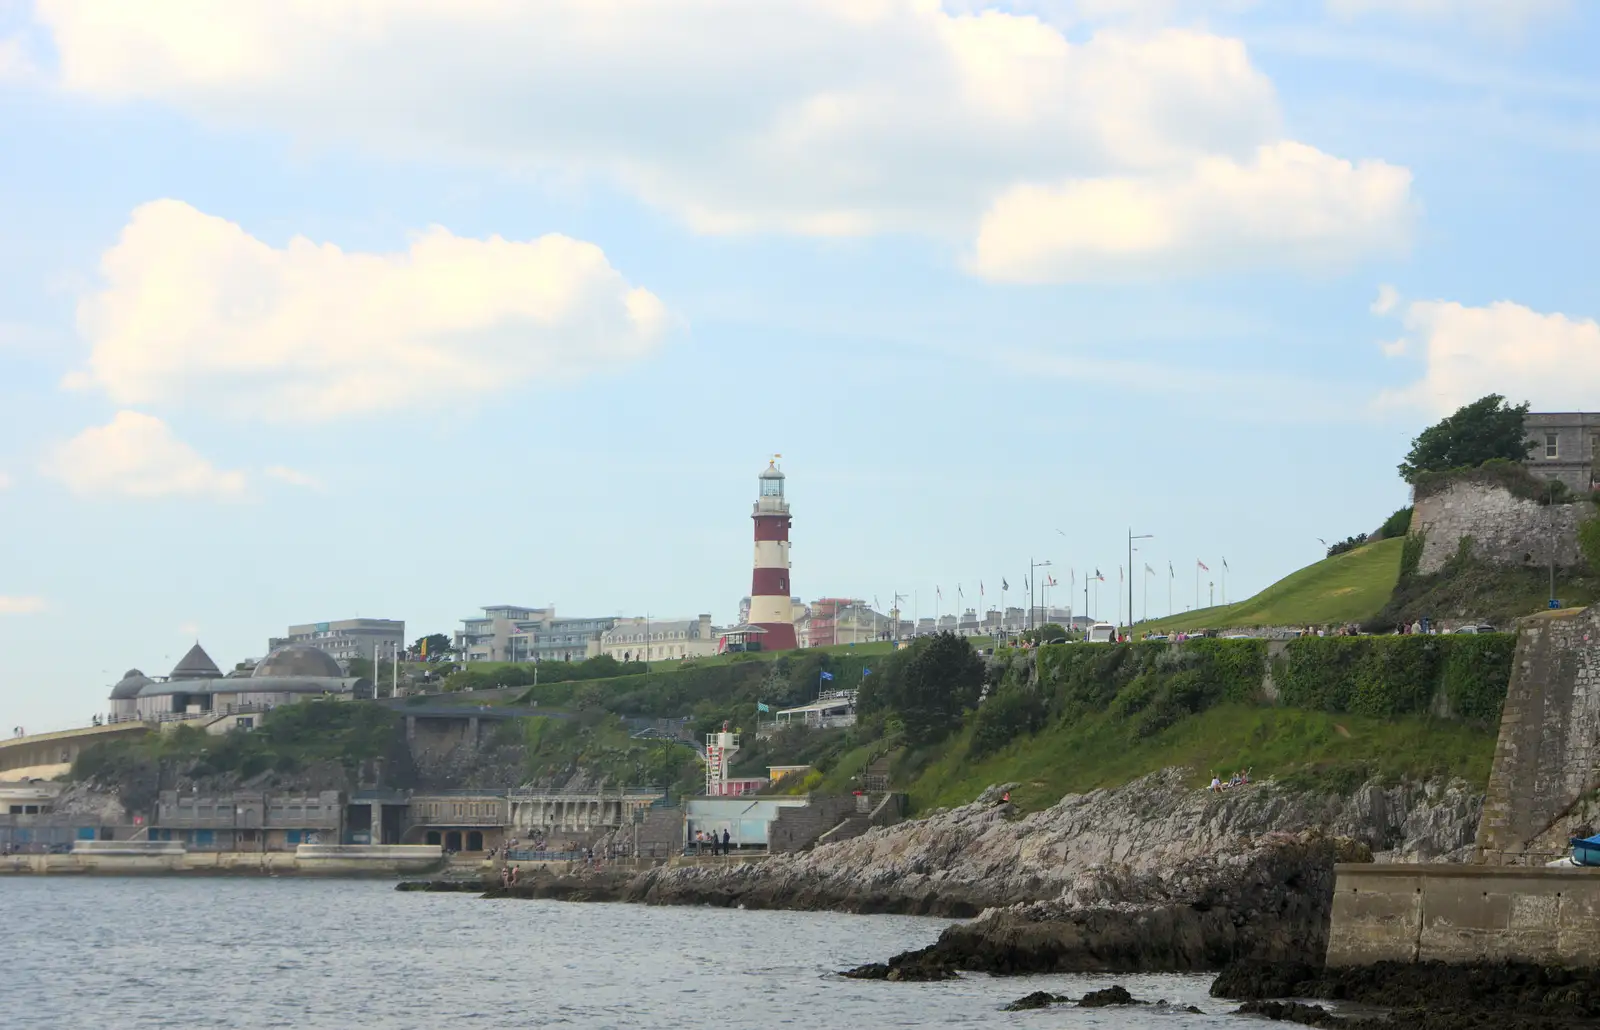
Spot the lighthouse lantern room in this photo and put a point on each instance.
(770, 607)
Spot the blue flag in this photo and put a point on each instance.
(761, 707)
(827, 675)
(865, 673)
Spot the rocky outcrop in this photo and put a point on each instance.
(1265, 899)
(1421, 996)
(964, 860)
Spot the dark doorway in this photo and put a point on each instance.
(433, 836)
(452, 840)
(475, 841)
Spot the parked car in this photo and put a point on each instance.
(1480, 628)
(1102, 633)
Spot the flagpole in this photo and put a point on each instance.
(1197, 584)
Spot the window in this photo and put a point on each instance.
(1550, 445)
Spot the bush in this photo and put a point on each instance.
(1009, 713)
(1411, 555)
(1347, 544)
(1387, 676)
(1396, 525)
(1589, 542)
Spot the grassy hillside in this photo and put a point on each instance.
(1315, 748)
(1348, 587)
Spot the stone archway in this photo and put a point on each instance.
(452, 840)
(433, 837)
(474, 840)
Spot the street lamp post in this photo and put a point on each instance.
(1033, 574)
(1131, 539)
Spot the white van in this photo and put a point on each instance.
(1102, 633)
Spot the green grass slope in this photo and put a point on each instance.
(1338, 752)
(1348, 587)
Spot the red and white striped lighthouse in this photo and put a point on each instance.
(769, 592)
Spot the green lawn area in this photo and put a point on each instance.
(1311, 748)
(1348, 587)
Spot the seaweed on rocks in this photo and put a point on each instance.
(1037, 1000)
(1427, 995)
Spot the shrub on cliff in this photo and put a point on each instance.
(1589, 542)
(936, 685)
(1396, 525)
(1486, 429)
(1009, 714)
(1387, 676)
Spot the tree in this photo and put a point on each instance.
(1486, 429)
(942, 680)
(437, 644)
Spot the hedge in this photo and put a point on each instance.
(1151, 685)
(1399, 675)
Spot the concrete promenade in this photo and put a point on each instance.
(1465, 913)
(379, 861)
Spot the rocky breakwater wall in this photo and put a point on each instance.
(964, 860)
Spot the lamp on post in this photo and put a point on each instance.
(1033, 622)
(1131, 539)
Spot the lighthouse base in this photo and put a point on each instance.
(779, 636)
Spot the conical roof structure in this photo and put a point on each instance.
(196, 665)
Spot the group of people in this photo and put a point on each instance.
(1238, 779)
(704, 837)
(508, 875)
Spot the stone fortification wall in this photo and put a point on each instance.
(1547, 758)
(1505, 530)
(1464, 914)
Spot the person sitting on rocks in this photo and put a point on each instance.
(1216, 784)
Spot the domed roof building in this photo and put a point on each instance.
(124, 695)
(197, 687)
(299, 660)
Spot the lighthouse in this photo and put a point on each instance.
(769, 592)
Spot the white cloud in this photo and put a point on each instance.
(22, 605)
(1481, 14)
(137, 455)
(16, 65)
(1551, 360)
(293, 477)
(1289, 203)
(197, 311)
(1395, 348)
(1388, 299)
(817, 117)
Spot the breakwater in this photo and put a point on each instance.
(122, 858)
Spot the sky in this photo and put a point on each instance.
(316, 310)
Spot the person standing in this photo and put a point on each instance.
(725, 838)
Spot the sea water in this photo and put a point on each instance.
(113, 953)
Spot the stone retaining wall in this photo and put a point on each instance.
(1547, 757)
(1462, 914)
(1506, 531)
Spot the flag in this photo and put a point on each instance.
(761, 707)
(1148, 570)
(865, 673)
(1049, 580)
(827, 675)
(1224, 563)
(1170, 573)
(1119, 573)
(1097, 575)
(980, 588)
(424, 648)
(960, 593)
(1202, 564)
(1003, 584)
(938, 592)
